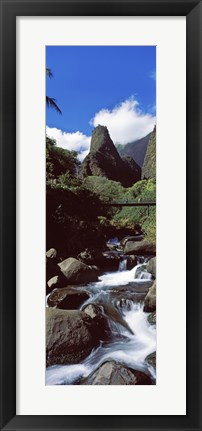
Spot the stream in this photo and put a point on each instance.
(133, 338)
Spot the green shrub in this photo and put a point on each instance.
(59, 161)
(137, 217)
(149, 225)
(107, 190)
(76, 212)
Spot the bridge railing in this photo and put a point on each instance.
(131, 204)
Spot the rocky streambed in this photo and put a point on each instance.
(101, 325)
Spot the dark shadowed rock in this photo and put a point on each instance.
(131, 171)
(131, 261)
(152, 318)
(52, 269)
(67, 298)
(105, 261)
(51, 264)
(132, 287)
(118, 299)
(77, 272)
(140, 248)
(90, 256)
(102, 326)
(151, 359)
(56, 282)
(111, 312)
(150, 299)
(110, 260)
(112, 373)
(69, 336)
(131, 238)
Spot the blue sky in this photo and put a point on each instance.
(107, 84)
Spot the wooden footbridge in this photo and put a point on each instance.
(131, 204)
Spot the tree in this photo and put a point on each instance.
(61, 164)
(50, 101)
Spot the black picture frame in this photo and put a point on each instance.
(9, 11)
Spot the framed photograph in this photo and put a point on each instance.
(100, 219)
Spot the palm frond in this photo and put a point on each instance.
(49, 72)
(51, 103)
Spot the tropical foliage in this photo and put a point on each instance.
(77, 214)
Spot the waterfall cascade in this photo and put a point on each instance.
(137, 338)
(140, 272)
(131, 351)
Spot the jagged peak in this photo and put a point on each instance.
(104, 160)
(100, 139)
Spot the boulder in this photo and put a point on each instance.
(112, 313)
(135, 286)
(90, 256)
(77, 272)
(52, 269)
(56, 282)
(151, 266)
(102, 325)
(112, 373)
(143, 248)
(95, 268)
(137, 237)
(107, 311)
(135, 292)
(70, 336)
(53, 283)
(51, 264)
(93, 310)
(67, 298)
(132, 261)
(152, 318)
(151, 360)
(110, 260)
(105, 261)
(51, 254)
(150, 299)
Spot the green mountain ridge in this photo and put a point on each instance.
(136, 149)
(149, 165)
(104, 160)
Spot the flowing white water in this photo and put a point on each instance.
(140, 272)
(131, 349)
(124, 277)
(47, 296)
(123, 265)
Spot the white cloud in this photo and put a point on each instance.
(76, 141)
(125, 122)
(83, 154)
